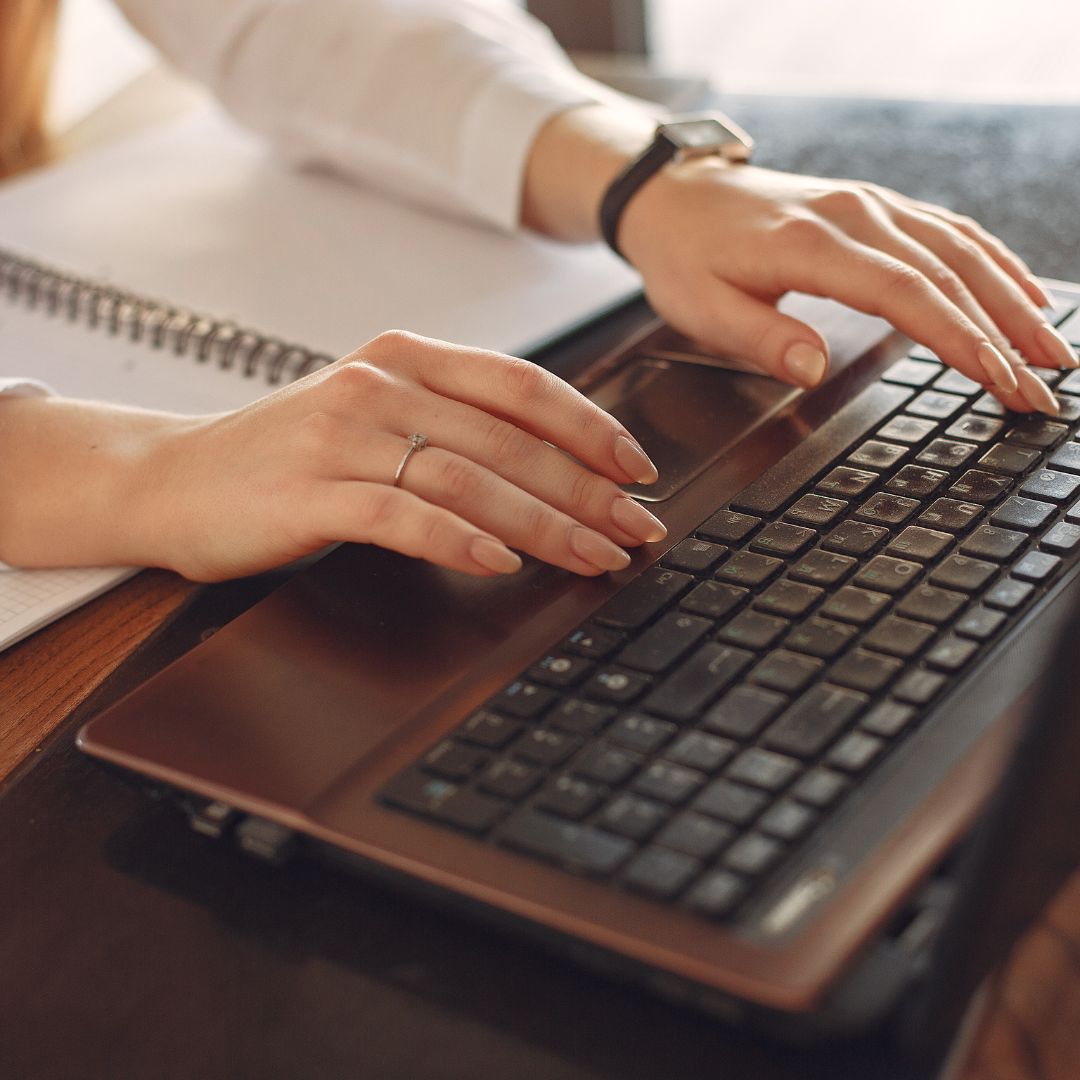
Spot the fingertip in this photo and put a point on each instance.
(805, 364)
(1036, 392)
(494, 556)
(634, 461)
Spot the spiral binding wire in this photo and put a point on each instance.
(125, 315)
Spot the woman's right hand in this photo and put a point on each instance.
(314, 463)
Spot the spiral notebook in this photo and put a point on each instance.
(188, 269)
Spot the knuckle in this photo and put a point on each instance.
(458, 478)
(902, 280)
(357, 377)
(391, 343)
(508, 445)
(378, 511)
(946, 280)
(803, 233)
(524, 381)
(582, 493)
(843, 203)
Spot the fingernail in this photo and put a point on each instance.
(998, 370)
(634, 461)
(1036, 284)
(805, 364)
(493, 555)
(633, 518)
(597, 550)
(1036, 392)
(1056, 347)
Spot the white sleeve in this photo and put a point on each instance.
(10, 387)
(434, 100)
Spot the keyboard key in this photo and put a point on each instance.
(560, 670)
(570, 797)
(946, 453)
(641, 733)
(696, 835)
(694, 556)
(912, 372)
(816, 510)
(747, 569)
(951, 653)
(524, 700)
(819, 567)
(731, 802)
(1050, 484)
(899, 637)
(963, 572)
(543, 746)
(916, 542)
(789, 599)
(1037, 431)
(509, 779)
(661, 873)
(616, 686)
(919, 687)
(935, 405)
(952, 382)
(820, 788)
(743, 712)
(1017, 512)
(820, 637)
(988, 405)
(488, 729)
(887, 719)
(927, 603)
(1066, 457)
(666, 641)
(907, 429)
(1009, 458)
(606, 764)
(643, 598)
(847, 481)
(855, 751)
(697, 750)
(668, 783)
(444, 801)
(764, 769)
(580, 717)
(886, 574)
(979, 429)
(728, 527)
(787, 820)
(781, 538)
(693, 685)
(977, 485)
(717, 894)
(454, 761)
(815, 720)
(980, 623)
(875, 454)
(864, 670)
(1010, 594)
(714, 599)
(752, 854)
(1062, 539)
(753, 630)
(854, 538)
(991, 542)
(633, 816)
(578, 847)
(593, 642)
(1036, 566)
(916, 481)
(886, 509)
(950, 514)
(854, 605)
(785, 671)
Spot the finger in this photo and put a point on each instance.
(527, 396)
(535, 466)
(998, 294)
(517, 518)
(370, 513)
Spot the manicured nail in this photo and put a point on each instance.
(1056, 347)
(1037, 287)
(998, 370)
(1036, 392)
(805, 364)
(596, 550)
(634, 461)
(493, 555)
(633, 518)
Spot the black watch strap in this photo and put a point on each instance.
(626, 184)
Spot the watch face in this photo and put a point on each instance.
(707, 134)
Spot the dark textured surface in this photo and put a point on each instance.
(1015, 168)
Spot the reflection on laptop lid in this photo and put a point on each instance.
(727, 772)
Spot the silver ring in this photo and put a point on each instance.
(416, 442)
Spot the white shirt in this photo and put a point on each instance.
(437, 101)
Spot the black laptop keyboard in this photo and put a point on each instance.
(710, 716)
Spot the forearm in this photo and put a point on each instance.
(79, 488)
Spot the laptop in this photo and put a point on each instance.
(743, 772)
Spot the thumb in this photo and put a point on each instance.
(737, 324)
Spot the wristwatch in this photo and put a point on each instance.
(678, 139)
